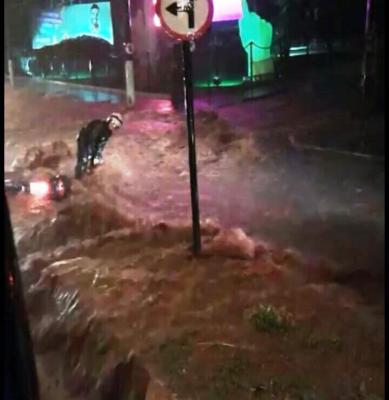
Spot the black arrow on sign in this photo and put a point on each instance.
(173, 8)
(189, 9)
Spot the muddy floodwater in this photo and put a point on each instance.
(286, 301)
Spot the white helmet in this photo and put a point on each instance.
(116, 117)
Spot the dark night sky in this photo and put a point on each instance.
(18, 13)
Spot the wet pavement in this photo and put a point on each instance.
(83, 93)
(327, 208)
(325, 204)
(110, 269)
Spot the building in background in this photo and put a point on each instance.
(84, 41)
(219, 59)
(73, 41)
(78, 40)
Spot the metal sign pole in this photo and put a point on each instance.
(129, 59)
(251, 63)
(199, 19)
(188, 85)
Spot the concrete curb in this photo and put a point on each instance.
(301, 146)
(109, 90)
(91, 87)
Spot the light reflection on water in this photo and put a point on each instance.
(86, 95)
(26, 209)
(81, 93)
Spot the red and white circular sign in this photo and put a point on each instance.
(185, 19)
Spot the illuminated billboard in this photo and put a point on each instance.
(71, 22)
(223, 10)
(227, 10)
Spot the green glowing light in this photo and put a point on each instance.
(256, 35)
(76, 76)
(79, 76)
(298, 51)
(223, 83)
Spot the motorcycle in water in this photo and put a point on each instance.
(55, 188)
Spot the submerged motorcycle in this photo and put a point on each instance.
(55, 188)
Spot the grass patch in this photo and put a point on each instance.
(266, 318)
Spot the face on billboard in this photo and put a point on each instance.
(70, 22)
(94, 17)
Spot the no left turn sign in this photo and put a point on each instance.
(185, 19)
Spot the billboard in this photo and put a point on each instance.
(223, 10)
(71, 22)
(229, 10)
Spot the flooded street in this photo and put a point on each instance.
(286, 300)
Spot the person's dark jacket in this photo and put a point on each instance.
(93, 138)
